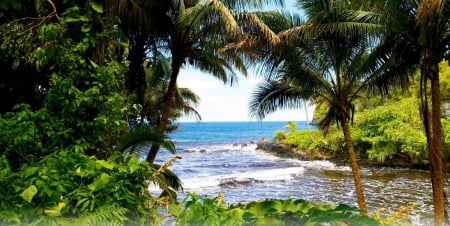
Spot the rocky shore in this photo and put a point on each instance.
(288, 151)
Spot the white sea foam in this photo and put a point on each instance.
(242, 178)
(323, 164)
(222, 147)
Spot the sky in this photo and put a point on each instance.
(222, 102)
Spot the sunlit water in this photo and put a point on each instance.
(222, 158)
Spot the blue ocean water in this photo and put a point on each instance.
(202, 133)
(221, 157)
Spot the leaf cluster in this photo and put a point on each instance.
(195, 210)
(72, 186)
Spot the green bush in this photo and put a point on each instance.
(279, 136)
(195, 210)
(389, 130)
(333, 142)
(72, 187)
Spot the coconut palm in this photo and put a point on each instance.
(196, 32)
(156, 79)
(433, 20)
(325, 59)
(419, 37)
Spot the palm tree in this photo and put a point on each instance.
(156, 78)
(168, 181)
(433, 18)
(419, 30)
(196, 32)
(188, 31)
(325, 59)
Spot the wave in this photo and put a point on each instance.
(242, 178)
(200, 148)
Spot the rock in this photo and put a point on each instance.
(284, 150)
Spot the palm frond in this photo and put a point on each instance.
(271, 96)
(221, 66)
(144, 135)
(167, 180)
(209, 12)
(185, 100)
(249, 5)
(254, 25)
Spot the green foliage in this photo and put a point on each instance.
(67, 185)
(194, 210)
(291, 126)
(392, 129)
(315, 140)
(332, 142)
(280, 135)
(302, 138)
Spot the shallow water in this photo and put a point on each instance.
(218, 158)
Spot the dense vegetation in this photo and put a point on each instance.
(85, 84)
(387, 130)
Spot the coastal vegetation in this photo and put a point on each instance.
(387, 131)
(86, 84)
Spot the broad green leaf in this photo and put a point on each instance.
(133, 164)
(30, 171)
(105, 164)
(96, 6)
(269, 221)
(29, 193)
(100, 182)
(85, 28)
(56, 210)
(78, 172)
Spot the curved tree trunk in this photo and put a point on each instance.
(176, 66)
(435, 147)
(354, 164)
(307, 123)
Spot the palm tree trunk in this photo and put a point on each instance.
(176, 66)
(354, 164)
(435, 147)
(307, 123)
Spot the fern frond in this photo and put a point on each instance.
(105, 215)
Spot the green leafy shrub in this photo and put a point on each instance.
(389, 130)
(333, 142)
(279, 136)
(195, 210)
(302, 138)
(74, 186)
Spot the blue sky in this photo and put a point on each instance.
(219, 102)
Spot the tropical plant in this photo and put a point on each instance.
(392, 129)
(419, 36)
(72, 188)
(195, 210)
(190, 32)
(323, 59)
(197, 30)
(63, 158)
(156, 79)
(21, 82)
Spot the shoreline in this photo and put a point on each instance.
(287, 151)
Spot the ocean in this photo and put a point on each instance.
(221, 157)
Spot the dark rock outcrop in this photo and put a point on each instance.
(287, 151)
